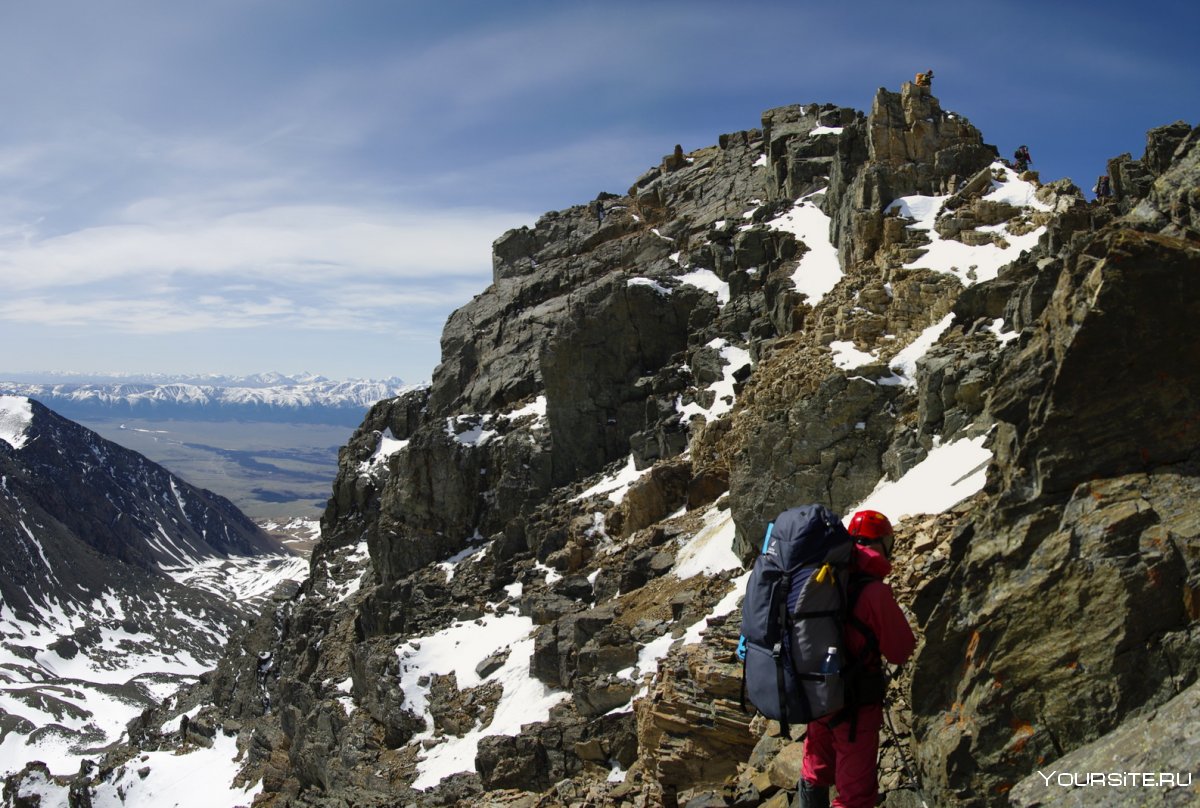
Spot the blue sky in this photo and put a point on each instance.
(252, 185)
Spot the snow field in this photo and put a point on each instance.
(84, 701)
(197, 779)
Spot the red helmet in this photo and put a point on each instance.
(872, 526)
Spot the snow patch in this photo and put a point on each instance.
(16, 414)
(971, 264)
(707, 280)
(904, 364)
(819, 270)
(997, 328)
(710, 551)
(459, 650)
(388, 446)
(723, 390)
(653, 284)
(616, 485)
(847, 357)
(947, 476)
(199, 779)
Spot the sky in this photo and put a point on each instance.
(240, 186)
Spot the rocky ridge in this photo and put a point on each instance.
(652, 371)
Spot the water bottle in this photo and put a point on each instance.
(830, 664)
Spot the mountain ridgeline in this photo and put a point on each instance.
(792, 315)
(266, 397)
(94, 507)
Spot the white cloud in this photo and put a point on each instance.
(298, 243)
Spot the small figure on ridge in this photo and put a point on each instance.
(1021, 158)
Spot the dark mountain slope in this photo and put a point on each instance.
(115, 502)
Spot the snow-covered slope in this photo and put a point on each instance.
(119, 583)
(74, 673)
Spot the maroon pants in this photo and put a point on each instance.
(830, 759)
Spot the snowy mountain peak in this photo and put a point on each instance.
(266, 397)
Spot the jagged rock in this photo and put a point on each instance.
(825, 447)
(1095, 322)
(798, 163)
(1035, 672)
(596, 696)
(493, 663)
(654, 496)
(912, 147)
(532, 760)
(1172, 206)
(557, 646)
(705, 799)
(692, 728)
(1086, 510)
(1149, 761)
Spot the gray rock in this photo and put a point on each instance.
(1150, 760)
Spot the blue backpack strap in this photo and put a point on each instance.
(741, 648)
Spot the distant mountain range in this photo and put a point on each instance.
(273, 397)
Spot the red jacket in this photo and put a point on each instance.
(876, 606)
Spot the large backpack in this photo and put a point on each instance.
(796, 607)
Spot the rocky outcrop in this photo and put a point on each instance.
(1071, 602)
(1133, 180)
(808, 433)
(908, 145)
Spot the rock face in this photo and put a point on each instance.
(790, 316)
(1147, 761)
(1073, 600)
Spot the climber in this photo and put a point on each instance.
(1021, 158)
(1102, 189)
(925, 79)
(841, 750)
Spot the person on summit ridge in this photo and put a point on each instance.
(924, 79)
(841, 750)
(1021, 158)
